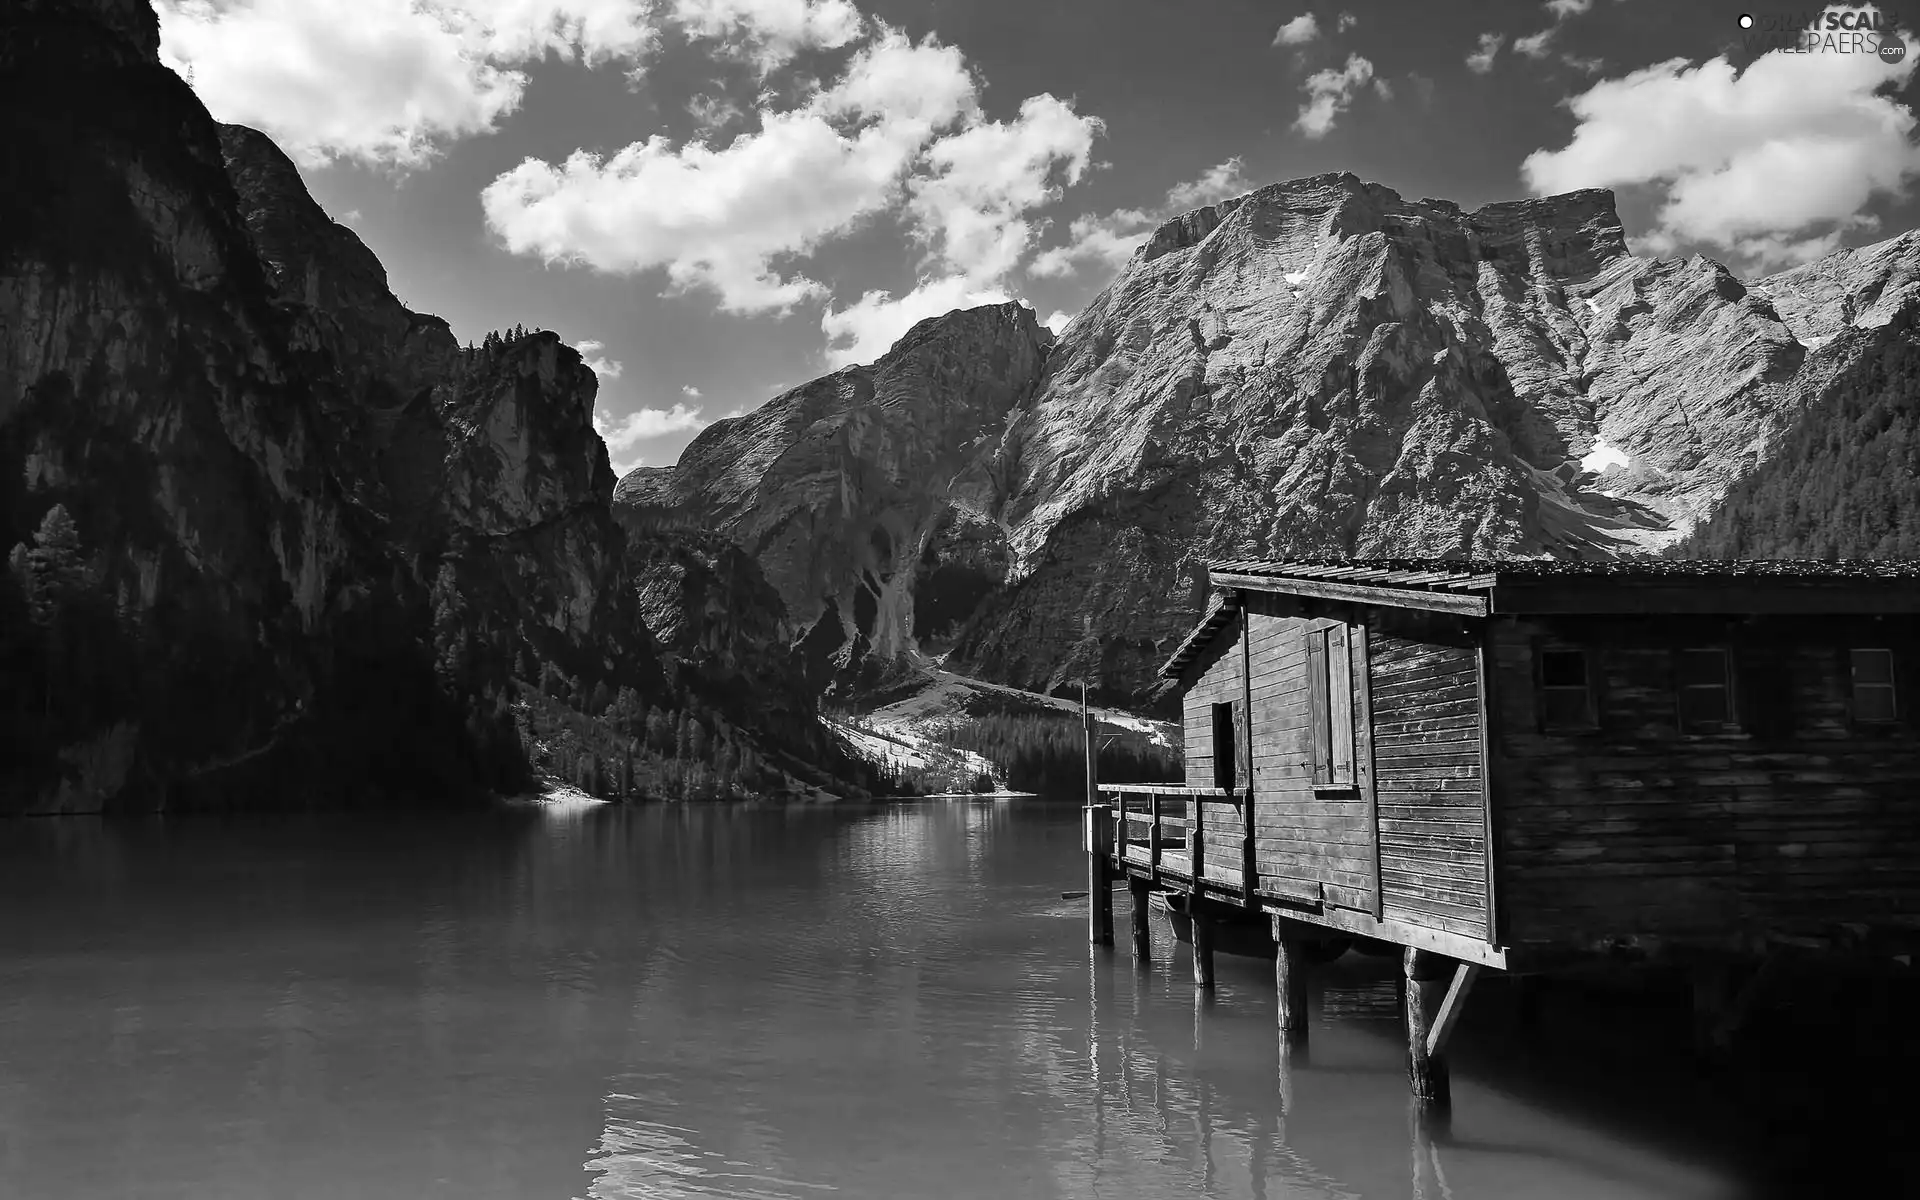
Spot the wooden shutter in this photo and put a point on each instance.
(1319, 722)
(1340, 704)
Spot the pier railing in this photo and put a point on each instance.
(1162, 826)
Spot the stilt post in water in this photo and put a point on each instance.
(1097, 829)
(1290, 980)
(1142, 895)
(1202, 946)
(1426, 975)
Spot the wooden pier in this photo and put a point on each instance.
(1534, 767)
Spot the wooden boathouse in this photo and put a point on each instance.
(1529, 765)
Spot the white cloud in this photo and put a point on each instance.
(1485, 50)
(1771, 163)
(867, 328)
(1057, 321)
(690, 392)
(393, 81)
(900, 126)
(1297, 32)
(1534, 45)
(1110, 240)
(599, 363)
(771, 32)
(984, 179)
(627, 436)
(1329, 92)
(711, 114)
(720, 218)
(1347, 21)
(1562, 9)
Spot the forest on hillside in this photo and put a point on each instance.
(1845, 480)
(1046, 752)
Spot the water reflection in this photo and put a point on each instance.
(757, 1000)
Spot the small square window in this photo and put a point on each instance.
(1566, 695)
(1873, 687)
(1705, 689)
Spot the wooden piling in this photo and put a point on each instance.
(1202, 951)
(1290, 980)
(1097, 832)
(1426, 1069)
(1142, 896)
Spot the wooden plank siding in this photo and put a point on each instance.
(1425, 694)
(1308, 843)
(1792, 816)
(1216, 678)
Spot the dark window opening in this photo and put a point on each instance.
(1705, 689)
(1873, 689)
(1566, 691)
(1330, 672)
(1224, 751)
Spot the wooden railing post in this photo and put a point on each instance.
(1153, 838)
(1194, 847)
(1099, 839)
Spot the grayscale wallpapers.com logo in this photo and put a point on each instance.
(1819, 32)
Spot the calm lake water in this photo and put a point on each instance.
(885, 1002)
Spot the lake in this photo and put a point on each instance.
(887, 1002)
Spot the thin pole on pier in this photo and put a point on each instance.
(1100, 840)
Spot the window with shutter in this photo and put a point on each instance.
(1330, 705)
(1873, 687)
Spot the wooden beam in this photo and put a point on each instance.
(1427, 1075)
(1249, 866)
(1290, 980)
(1732, 594)
(1450, 1007)
(1472, 604)
(1452, 945)
(1202, 947)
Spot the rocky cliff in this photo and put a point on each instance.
(277, 539)
(1319, 367)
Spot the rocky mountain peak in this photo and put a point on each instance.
(1317, 367)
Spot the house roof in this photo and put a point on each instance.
(1487, 587)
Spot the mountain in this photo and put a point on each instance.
(1318, 367)
(277, 539)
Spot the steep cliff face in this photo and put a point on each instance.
(837, 487)
(1319, 367)
(279, 539)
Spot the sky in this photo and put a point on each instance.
(716, 200)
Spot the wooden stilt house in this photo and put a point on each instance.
(1531, 764)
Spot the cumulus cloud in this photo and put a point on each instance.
(599, 363)
(900, 127)
(1058, 320)
(1110, 240)
(1297, 32)
(1771, 163)
(1347, 21)
(1329, 93)
(627, 437)
(982, 180)
(1562, 9)
(393, 83)
(1480, 61)
(867, 328)
(719, 218)
(771, 32)
(690, 392)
